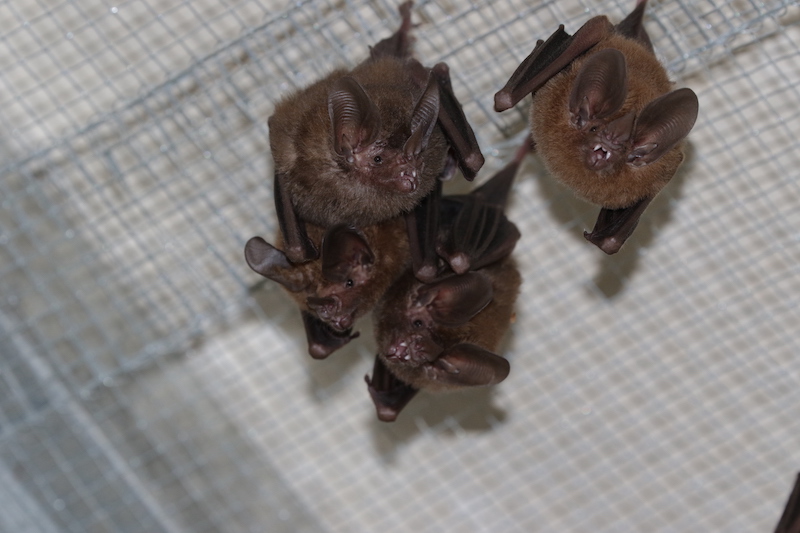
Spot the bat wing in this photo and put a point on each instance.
(299, 248)
(456, 127)
(322, 339)
(614, 226)
(790, 519)
(548, 58)
(479, 232)
(468, 365)
(423, 229)
(480, 235)
(389, 394)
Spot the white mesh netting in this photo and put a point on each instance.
(150, 382)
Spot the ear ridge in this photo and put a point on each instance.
(600, 88)
(662, 124)
(423, 119)
(343, 250)
(354, 117)
(455, 300)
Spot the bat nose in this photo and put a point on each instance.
(325, 307)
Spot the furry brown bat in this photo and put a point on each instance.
(368, 144)
(603, 118)
(441, 335)
(353, 271)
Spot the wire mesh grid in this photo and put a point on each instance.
(149, 382)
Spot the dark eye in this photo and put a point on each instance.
(349, 283)
(417, 324)
(377, 160)
(593, 129)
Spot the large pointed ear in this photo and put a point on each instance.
(345, 255)
(265, 259)
(600, 88)
(662, 124)
(455, 300)
(354, 117)
(423, 119)
(469, 365)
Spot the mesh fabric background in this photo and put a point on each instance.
(149, 382)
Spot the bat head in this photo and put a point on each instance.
(332, 288)
(597, 97)
(412, 319)
(391, 160)
(346, 270)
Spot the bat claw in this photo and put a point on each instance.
(503, 101)
(610, 245)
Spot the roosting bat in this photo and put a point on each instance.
(365, 145)
(442, 335)
(353, 271)
(603, 118)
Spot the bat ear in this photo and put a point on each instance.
(662, 124)
(470, 366)
(345, 255)
(423, 119)
(455, 300)
(600, 88)
(354, 116)
(265, 259)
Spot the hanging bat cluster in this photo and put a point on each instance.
(359, 160)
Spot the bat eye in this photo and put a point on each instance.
(377, 160)
(417, 324)
(593, 129)
(349, 283)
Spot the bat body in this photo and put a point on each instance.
(442, 334)
(353, 271)
(604, 119)
(364, 145)
(325, 188)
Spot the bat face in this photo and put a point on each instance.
(367, 147)
(608, 127)
(353, 271)
(442, 335)
(604, 119)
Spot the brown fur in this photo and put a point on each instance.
(558, 142)
(324, 192)
(486, 329)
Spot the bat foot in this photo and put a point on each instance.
(460, 263)
(609, 245)
(473, 162)
(503, 101)
(426, 273)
